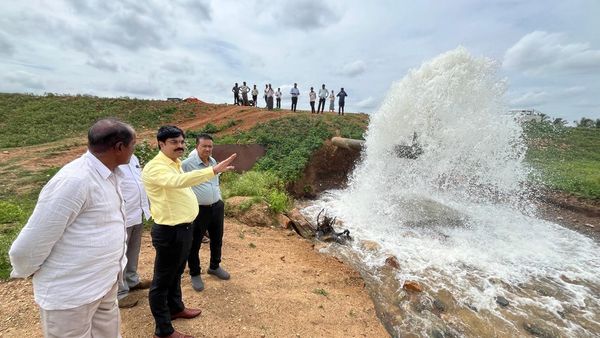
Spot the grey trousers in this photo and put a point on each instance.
(97, 319)
(130, 275)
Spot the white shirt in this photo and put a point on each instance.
(132, 188)
(278, 94)
(323, 93)
(269, 92)
(74, 242)
(312, 96)
(294, 92)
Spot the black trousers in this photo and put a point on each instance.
(236, 98)
(341, 108)
(172, 244)
(254, 98)
(321, 106)
(312, 106)
(278, 102)
(294, 102)
(210, 218)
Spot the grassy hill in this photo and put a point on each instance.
(49, 129)
(566, 158)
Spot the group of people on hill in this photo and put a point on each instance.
(82, 242)
(240, 97)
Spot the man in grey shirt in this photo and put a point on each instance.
(211, 214)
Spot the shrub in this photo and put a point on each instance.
(10, 213)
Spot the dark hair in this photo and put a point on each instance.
(106, 133)
(203, 136)
(166, 132)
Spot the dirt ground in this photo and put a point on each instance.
(280, 287)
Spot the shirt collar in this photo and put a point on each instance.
(210, 160)
(164, 158)
(101, 168)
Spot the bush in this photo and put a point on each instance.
(10, 213)
(251, 183)
(261, 186)
(278, 201)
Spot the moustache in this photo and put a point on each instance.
(179, 149)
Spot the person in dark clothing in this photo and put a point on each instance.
(342, 100)
(236, 93)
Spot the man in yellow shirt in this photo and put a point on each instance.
(173, 207)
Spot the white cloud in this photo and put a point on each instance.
(102, 64)
(531, 99)
(353, 69)
(367, 104)
(143, 88)
(540, 52)
(184, 66)
(306, 15)
(6, 46)
(200, 48)
(26, 80)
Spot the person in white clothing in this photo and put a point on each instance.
(137, 209)
(74, 242)
(255, 96)
(323, 93)
(269, 93)
(294, 92)
(278, 98)
(332, 102)
(312, 96)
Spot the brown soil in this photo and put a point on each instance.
(280, 287)
(328, 168)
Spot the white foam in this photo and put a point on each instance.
(472, 169)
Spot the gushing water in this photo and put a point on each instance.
(458, 217)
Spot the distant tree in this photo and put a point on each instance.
(597, 123)
(559, 122)
(544, 118)
(585, 122)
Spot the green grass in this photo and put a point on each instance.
(30, 119)
(13, 216)
(565, 158)
(291, 140)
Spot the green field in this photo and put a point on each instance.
(565, 158)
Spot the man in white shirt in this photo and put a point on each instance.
(244, 90)
(295, 93)
(312, 96)
(323, 93)
(74, 242)
(137, 209)
(278, 98)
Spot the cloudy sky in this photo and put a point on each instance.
(549, 50)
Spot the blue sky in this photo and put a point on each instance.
(549, 51)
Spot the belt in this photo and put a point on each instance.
(210, 205)
(173, 226)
